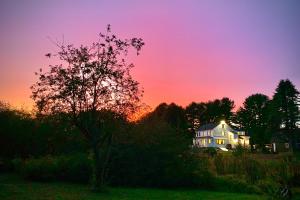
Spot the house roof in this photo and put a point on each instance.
(207, 127)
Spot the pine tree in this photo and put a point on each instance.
(285, 106)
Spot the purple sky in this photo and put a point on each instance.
(195, 50)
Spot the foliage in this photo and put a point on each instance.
(253, 117)
(295, 179)
(156, 153)
(231, 183)
(285, 106)
(211, 151)
(220, 163)
(13, 187)
(16, 128)
(269, 187)
(225, 165)
(239, 151)
(75, 168)
(209, 112)
(263, 118)
(254, 171)
(36, 136)
(194, 112)
(89, 81)
(6, 165)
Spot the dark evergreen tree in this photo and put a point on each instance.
(194, 112)
(209, 112)
(285, 106)
(253, 117)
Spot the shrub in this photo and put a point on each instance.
(254, 171)
(239, 151)
(228, 165)
(220, 164)
(75, 168)
(280, 170)
(231, 183)
(6, 165)
(295, 179)
(135, 166)
(211, 151)
(204, 176)
(42, 169)
(269, 187)
(229, 146)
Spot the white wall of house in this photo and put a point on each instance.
(220, 136)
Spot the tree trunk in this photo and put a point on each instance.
(97, 179)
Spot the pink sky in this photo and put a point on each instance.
(195, 50)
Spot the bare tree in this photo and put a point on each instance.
(90, 79)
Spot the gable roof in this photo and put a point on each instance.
(207, 127)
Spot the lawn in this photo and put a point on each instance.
(13, 188)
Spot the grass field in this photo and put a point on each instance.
(14, 188)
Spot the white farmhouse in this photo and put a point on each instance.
(219, 135)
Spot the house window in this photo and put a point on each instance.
(219, 141)
(209, 141)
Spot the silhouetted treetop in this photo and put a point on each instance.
(91, 81)
(285, 105)
(91, 77)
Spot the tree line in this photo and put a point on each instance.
(260, 116)
(154, 148)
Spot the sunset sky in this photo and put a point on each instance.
(195, 50)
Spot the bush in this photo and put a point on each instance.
(254, 170)
(41, 169)
(151, 167)
(220, 163)
(204, 176)
(228, 165)
(75, 168)
(269, 187)
(210, 151)
(229, 146)
(6, 165)
(240, 151)
(295, 179)
(280, 170)
(235, 184)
